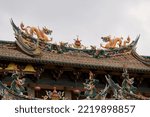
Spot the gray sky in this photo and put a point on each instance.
(90, 19)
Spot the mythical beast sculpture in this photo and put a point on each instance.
(112, 43)
(40, 33)
(15, 91)
(17, 84)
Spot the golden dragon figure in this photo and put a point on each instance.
(113, 43)
(39, 33)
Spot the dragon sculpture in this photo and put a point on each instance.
(113, 43)
(39, 33)
(89, 86)
(118, 92)
(126, 90)
(15, 91)
(17, 84)
(112, 90)
(127, 84)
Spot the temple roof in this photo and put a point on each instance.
(33, 47)
(9, 51)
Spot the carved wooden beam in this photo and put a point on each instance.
(57, 74)
(77, 75)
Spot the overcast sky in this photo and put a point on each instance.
(90, 19)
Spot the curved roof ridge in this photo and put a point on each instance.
(141, 58)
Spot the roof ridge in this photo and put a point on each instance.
(140, 58)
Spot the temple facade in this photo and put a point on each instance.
(63, 68)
